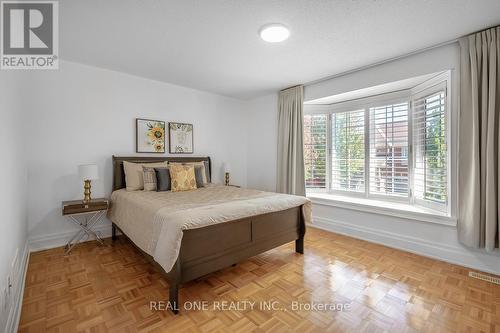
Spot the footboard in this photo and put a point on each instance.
(211, 248)
(208, 249)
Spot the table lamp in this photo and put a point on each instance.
(88, 172)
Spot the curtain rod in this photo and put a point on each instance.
(382, 62)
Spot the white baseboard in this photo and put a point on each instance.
(474, 259)
(17, 301)
(51, 241)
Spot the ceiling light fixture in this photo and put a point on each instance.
(274, 33)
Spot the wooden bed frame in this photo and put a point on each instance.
(211, 248)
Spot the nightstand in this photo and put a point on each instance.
(86, 215)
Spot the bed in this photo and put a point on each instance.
(191, 234)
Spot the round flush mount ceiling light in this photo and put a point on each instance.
(274, 33)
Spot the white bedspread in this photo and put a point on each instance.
(155, 221)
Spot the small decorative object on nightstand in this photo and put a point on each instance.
(227, 170)
(91, 213)
(88, 172)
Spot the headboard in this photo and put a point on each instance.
(119, 174)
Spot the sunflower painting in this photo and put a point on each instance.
(150, 136)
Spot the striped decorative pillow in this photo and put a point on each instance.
(149, 176)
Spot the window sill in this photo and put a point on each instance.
(395, 209)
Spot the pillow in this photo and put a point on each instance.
(149, 176)
(198, 175)
(205, 171)
(134, 178)
(162, 179)
(182, 177)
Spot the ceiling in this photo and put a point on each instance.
(213, 45)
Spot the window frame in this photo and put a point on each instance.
(327, 166)
(430, 87)
(329, 157)
(391, 98)
(378, 196)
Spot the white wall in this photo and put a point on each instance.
(262, 144)
(82, 114)
(13, 218)
(425, 238)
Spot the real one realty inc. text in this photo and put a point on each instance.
(249, 305)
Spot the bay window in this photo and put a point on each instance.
(389, 147)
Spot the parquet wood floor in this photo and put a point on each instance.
(109, 289)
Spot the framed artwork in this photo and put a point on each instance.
(150, 136)
(181, 138)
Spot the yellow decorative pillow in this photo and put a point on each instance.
(202, 164)
(182, 178)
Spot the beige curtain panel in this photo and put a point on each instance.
(479, 140)
(291, 178)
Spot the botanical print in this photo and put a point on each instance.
(181, 138)
(150, 136)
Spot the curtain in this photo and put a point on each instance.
(479, 140)
(290, 175)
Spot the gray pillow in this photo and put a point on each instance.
(199, 176)
(207, 171)
(163, 182)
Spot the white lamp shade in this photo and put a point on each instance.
(226, 167)
(88, 172)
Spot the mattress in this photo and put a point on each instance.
(155, 221)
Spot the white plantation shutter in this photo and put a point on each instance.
(430, 145)
(348, 151)
(389, 150)
(315, 150)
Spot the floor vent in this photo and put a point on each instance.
(485, 277)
